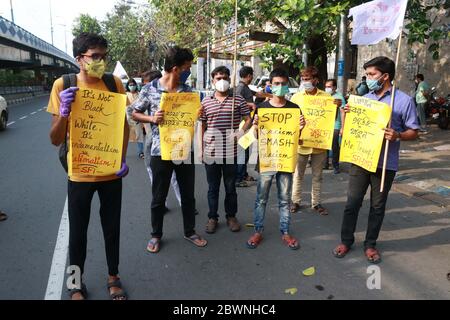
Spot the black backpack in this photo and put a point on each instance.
(70, 80)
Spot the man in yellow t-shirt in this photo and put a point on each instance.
(310, 80)
(90, 52)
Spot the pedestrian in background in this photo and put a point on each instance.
(136, 128)
(362, 88)
(422, 100)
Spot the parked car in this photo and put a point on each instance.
(3, 113)
(258, 85)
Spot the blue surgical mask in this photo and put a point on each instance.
(184, 76)
(308, 86)
(132, 88)
(375, 85)
(280, 91)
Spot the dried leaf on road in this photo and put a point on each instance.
(309, 272)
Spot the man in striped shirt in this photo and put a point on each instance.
(220, 121)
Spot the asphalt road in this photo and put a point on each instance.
(415, 240)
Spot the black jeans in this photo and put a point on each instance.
(360, 180)
(241, 169)
(214, 173)
(80, 196)
(336, 149)
(162, 173)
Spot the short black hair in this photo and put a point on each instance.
(245, 72)
(149, 76)
(279, 72)
(176, 57)
(382, 64)
(420, 77)
(85, 41)
(333, 81)
(221, 70)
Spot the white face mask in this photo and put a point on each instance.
(222, 85)
(329, 90)
(308, 86)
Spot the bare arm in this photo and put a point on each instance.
(58, 130)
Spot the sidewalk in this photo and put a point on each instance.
(425, 167)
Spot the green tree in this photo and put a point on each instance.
(86, 23)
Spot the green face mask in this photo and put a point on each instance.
(280, 91)
(96, 69)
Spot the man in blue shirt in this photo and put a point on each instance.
(380, 73)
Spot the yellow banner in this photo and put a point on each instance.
(181, 111)
(96, 133)
(278, 130)
(363, 132)
(320, 116)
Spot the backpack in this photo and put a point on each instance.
(70, 80)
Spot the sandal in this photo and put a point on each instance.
(373, 256)
(294, 207)
(291, 242)
(254, 240)
(321, 210)
(82, 291)
(119, 295)
(249, 179)
(340, 251)
(154, 245)
(197, 240)
(3, 216)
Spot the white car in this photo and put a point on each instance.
(258, 85)
(3, 113)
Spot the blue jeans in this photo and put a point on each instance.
(140, 148)
(284, 186)
(214, 174)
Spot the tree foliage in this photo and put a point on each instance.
(86, 23)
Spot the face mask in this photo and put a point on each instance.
(96, 69)
(375, 85)
(222, 85)
(280, 91)
(308, 86)
(268, 89)
(329, 90)
(184, 76)
(132, 88)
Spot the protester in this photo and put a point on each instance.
(362, 88)
(422, 100)
(310, 80)
(177, 67)
(136, 128)
(220, 147)
(380, 72)
(90, 51)
(279, 79)
(331, 88)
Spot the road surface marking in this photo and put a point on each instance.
(11, 123)
(24, 117)
(58, 269)
(32, 113)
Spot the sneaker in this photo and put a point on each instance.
(211, 226)
(233, 224)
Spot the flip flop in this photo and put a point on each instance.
(197, 240)
(119, 295)
(154, 245)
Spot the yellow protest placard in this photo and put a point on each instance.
(181, 111)
(96, 133)
(320, 116)
(363, 132)
(279, 132)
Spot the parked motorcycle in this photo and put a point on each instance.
(438, 110)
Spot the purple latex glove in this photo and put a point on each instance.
(123, 172)
(67, 97)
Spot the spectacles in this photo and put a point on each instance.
(96, 56)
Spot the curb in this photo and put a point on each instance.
(412, 191)
(24, 99)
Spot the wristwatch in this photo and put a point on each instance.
(399, 138)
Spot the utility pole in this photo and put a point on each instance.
(341, 84)
(305, 55)
(208, 66)
(12, 11)
(51, 19)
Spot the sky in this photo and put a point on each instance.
(34, 16)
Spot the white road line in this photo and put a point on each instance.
(24, 117)
(33, 113)
(58, 269)
(11, 123)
